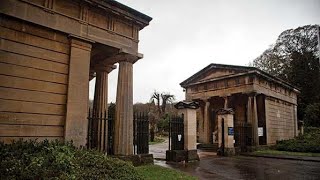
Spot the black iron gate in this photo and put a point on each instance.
(141, 133)
(176, 133)
(242, 135)
(100, 131)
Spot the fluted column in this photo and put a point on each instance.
(255, 122)
(124, 110)
(201, 122)
(252, 117)
(225, 98)
(206, 119)
(100, 105)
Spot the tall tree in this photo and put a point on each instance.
(276, 59)
(295, 58)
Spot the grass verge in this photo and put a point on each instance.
(287, 153)
(155, 172)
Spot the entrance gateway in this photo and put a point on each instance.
(50, 51)
(182, 133)
(263, 107)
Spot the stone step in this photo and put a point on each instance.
(208, 147)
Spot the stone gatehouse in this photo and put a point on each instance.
(264, 107)
(49, 51)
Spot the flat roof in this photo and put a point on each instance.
(129, 9)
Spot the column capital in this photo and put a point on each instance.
(123, 56)
(225, 96)
(252, 94)
(130, 57)
(104, 68)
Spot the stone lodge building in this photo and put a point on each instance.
(49, 51)
(265, 107)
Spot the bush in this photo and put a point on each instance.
(58, 160)
(163, 125)
(309, 142)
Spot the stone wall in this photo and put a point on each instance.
(280, 120)
(34, 67)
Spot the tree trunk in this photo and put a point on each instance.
(152, 134)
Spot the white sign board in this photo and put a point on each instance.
(260, 131)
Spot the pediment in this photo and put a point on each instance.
(215, 71)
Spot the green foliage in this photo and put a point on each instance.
(58, 160)
(294, 58)
(309, 142)
(112, 108)
(94, 165)
(312, 115)
(163, 124)
(304, 73)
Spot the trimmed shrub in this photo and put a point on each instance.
(309, 142)
(58, 160)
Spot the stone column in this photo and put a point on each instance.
(249, 110)
(201, 123)
(225, 124)
(190, 133)
(124, 110)
(225, 102)
(206, 119)
(252, 116)
(255, 122)
(78, 92)
(100, 104)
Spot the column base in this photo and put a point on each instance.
(226, 152)
(182, 155)
(137, 160)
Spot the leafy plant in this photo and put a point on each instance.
(309, 142)
(59, 160)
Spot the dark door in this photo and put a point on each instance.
(222, 144)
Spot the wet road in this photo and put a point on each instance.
(159, 150)
(240, 167)
(212, 166)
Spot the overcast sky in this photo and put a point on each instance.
(187, 35)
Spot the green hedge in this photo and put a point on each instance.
(57, 160)
(309, 142)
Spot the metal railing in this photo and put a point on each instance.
(176, 133)
(100, 131)
(141, 133)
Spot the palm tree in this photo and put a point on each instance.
(166, 99)
(156, 98)
(161, 101)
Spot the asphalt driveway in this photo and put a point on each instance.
(212, 166)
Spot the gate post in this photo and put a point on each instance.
(188, 110)
(225, 132)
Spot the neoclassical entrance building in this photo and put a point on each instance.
(49, 51)
(264, 107)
